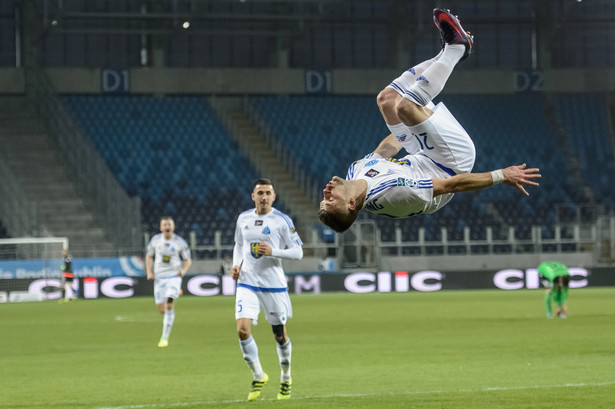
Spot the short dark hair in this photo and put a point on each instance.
(338, 222)
(262, 181)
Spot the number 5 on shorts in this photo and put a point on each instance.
(239, 306)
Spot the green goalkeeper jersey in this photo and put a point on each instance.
(552, 269)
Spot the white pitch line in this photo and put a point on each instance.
(364, 395)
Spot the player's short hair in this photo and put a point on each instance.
(167, 218)
(262, 181)
(562, 281)
(340, 222)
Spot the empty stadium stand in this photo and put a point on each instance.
(175, 154)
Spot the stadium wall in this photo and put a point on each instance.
(300, 82)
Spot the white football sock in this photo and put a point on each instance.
(167, 323)
(250, 355)
(420, 68)
(68, 293)
(428, 85)
(284, 354)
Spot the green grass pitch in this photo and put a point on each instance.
(453, 349)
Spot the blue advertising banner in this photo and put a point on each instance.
(82, 267)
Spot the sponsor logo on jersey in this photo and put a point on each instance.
(254, 250)
(266, 230)
(406, 182)
(401, 138)
(371, 162)
(405, 162)
(371, 173)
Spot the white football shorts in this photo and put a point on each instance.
(167, 288)
(444, 141)
(276, 305)
(440, 137)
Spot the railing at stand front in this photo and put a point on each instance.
(599, 239)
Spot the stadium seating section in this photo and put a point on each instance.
(176, 156)
(3, 232)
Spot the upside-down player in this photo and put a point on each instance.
(440, 152)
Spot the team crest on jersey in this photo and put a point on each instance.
(371, 173)
(258, 222)
(254, 250)
(266, 230)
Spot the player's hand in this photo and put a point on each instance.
(518, 175)
(235, 272)
(150, 276)
(264, 249)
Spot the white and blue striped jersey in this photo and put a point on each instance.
(399, 188)
(168, 254)
(258, 272)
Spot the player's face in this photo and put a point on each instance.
(263, 196)
(335, 195)
(167, 227)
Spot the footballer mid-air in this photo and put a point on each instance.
(440, 152)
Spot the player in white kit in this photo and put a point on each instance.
(263, 237)
(440, 152)
(167, 260)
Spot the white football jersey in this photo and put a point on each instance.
(399, 188)
(168, 254)
(258, 272)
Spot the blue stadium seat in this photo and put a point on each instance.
(168, 151)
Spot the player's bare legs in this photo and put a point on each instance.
(244, 328)
(410, 113)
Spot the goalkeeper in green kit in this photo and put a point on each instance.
(555, 278)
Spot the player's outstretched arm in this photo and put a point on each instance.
(389, 147)
(520, 175)
(517, 176)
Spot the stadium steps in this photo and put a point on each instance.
(34, 161)
(262, 156)
(563, 143)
